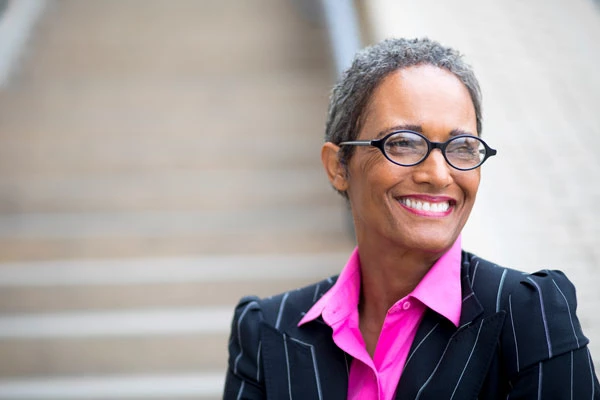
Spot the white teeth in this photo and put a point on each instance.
(425, 206)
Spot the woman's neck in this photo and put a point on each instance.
(386, 277)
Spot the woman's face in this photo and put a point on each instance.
(389, 201)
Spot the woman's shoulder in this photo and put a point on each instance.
(284, 308)
(541, 319)
(551, 287)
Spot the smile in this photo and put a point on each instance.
(422, 207)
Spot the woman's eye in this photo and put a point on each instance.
(401, 143)
(401, 147)
(404, 142)
(466, 149)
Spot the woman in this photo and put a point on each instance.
(411, 316)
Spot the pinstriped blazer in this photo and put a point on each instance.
(519, 338)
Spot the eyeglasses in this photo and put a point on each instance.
(408, 148)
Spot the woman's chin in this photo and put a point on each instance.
(428, 242)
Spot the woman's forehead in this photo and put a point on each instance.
(419, 96)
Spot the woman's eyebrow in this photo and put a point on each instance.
(419, 129)
(458, 132)
(407, 127)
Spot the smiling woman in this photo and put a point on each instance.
(411, 315)
(433, 102)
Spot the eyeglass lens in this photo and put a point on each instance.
(407, 148)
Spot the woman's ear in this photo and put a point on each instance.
(336, 171)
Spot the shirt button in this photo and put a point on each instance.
(406, 305)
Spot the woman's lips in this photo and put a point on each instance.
(428, 206)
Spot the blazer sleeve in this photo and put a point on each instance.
(244, 380)
(548, 353)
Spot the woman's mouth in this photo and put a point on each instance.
(428, 208)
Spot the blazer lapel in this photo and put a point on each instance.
(449, 362)
(303, 362)
(309, 361)
(427, 349)
(470, 308)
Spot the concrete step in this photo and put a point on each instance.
(239, 189)
(205, 385)
(153, 234)
(142, 136)
(99, 317)
(100, 285)
(34, 299)
(185, 37)
(170, 109)
(143, 354)
(15, 249)
(235, 150)
(277, 221)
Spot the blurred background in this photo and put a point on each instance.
(159, 159)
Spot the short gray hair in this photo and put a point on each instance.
(371, 65)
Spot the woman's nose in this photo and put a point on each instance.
(434, 170)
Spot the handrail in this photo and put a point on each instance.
(16, 21)
(344, 33)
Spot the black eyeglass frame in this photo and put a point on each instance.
(380, 144)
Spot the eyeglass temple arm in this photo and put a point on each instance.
(357, 143)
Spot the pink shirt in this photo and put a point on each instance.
(377, 377)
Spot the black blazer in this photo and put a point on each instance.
(519, 338)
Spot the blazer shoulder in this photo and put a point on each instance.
(244, 339)
(489, 281)
(542, 321)
(285, 309)
(544, 303)
(541, 310)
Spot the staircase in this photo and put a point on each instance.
(158, 160)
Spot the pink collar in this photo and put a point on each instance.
(439, 290)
